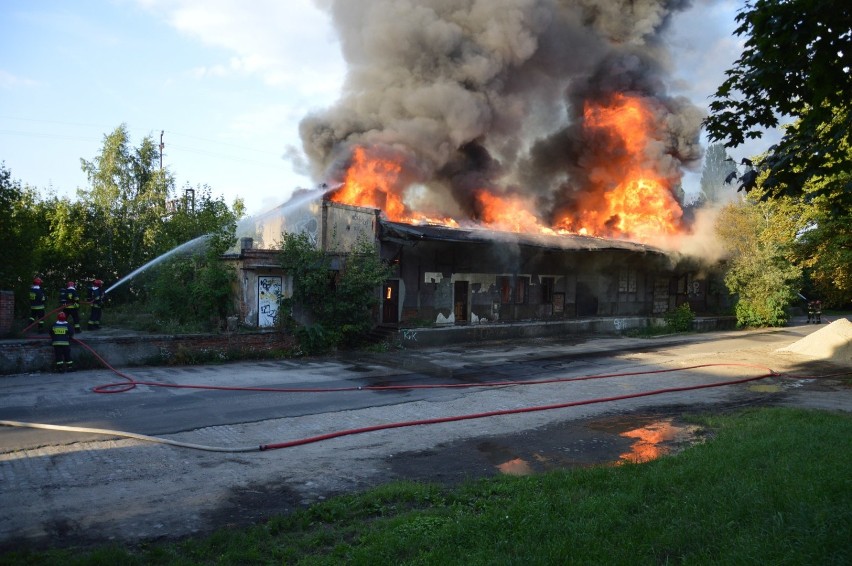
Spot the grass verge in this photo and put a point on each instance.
(772, 487)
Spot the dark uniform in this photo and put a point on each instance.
(71, 301)
(96, 298)
(61, 334)
(815, 312)
(37, 304)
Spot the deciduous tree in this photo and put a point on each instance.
(760, 238)
(127, 196)
(796, 63)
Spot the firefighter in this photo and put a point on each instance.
(96, 298)
(814, 312)
(61, 334)
(37, 304)
(71, 303)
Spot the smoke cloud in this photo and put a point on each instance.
(491, 93)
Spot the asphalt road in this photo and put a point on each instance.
(65, 488)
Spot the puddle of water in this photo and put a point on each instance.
(655, 440)
(651, 437)
(515, 467)
(520, 467)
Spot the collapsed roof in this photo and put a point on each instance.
(409, 233)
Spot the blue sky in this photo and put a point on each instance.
(227, 81)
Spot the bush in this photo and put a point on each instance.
(336, 306)
(680, 319)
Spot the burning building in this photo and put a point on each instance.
(477, 276)
(525, 157)
(529, 116)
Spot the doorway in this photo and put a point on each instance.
(460, 301)
(390, 302)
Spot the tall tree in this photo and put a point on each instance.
(760, 237)
(127, 194)
(20, 233)
(796, 62)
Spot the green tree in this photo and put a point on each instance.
(197, 215)
(824, 248)
(16, 263)
(21, 234)
(127, 197)
(197, 288)
(795, 63)
(760, 238)
(335, 304)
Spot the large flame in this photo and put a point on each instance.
(626, 195)
(372, 181)
(629, 197)
(508, 213)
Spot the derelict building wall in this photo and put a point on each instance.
(510, 282)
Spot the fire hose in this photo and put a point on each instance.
(130, 383)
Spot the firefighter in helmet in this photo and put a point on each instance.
(814, 312)
(37, 304)
(71, 304)
(96, 299)
(61, 334)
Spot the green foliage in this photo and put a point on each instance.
(196, 288)
(680, 319)
(795, 62)
(760, 237)
(119, 223)
(778, 472)
(18, 225)
(824, 249)
(334, 305)
(126, 202)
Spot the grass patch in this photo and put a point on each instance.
(772, 487)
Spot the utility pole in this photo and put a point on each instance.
(162, 145)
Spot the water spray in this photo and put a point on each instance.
(187, 246)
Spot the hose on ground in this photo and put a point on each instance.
(387, 426)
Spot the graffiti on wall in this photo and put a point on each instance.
(268, 300)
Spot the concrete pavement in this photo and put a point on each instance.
(71, 488)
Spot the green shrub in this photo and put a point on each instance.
(336, 305)
(680, 319)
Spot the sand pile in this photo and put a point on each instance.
(832, 343)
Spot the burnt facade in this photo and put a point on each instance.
(454, 276)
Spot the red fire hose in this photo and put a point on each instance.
(131, 383)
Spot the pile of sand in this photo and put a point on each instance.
(832, 343)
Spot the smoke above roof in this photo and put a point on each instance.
(467, 94)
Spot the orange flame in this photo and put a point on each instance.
(627, 197)
(372, 181)
(508, 213)
(630, 198)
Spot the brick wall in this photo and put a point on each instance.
(7, 312)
